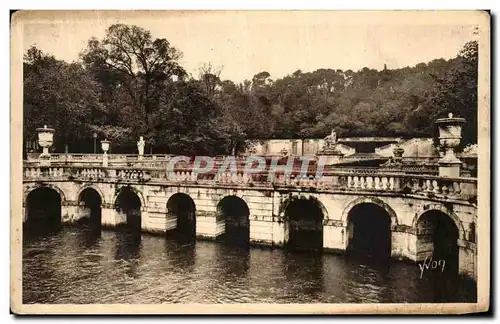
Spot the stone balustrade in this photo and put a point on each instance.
(153, 161)
(341, 180)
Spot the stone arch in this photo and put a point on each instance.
(171, 198)
(96, 188)
(284, 204)
(181, 212)
(223, 197)
(233, 214)
(439, 207)
(304, 216)
(369, 223)
(135, 190)
(45, 185)
(370, 200)
(48, 203)
(217, 197)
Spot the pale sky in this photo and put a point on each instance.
(279, 42)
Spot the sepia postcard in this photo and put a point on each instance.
(250, 162)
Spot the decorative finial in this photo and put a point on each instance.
(450, 115)
(45, 126)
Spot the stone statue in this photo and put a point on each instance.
(140, 145)
(333, 136)
(331, 141)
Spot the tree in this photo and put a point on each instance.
(185, 121)
(209, 77)
(129, 61)
(456, 92)
(129, 85)
(60, 95)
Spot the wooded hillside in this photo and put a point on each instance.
(129, 84)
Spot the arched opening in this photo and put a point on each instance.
(183, 208)
(235, 213)
(43, 209)
(305, 224)
(369, 231)
(437, 237)
(89, 202)
(128, 203)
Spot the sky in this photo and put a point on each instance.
(279, 42)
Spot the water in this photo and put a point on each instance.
(81, 266)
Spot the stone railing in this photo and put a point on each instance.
(153, 161)
(343, 180)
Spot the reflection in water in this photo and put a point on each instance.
(304, 274)
(81, 265)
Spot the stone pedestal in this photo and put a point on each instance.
(450, 170)
(331, 158)
(44, 160)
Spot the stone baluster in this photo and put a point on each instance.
(369, 182)
(445, 189)
(384, 183)
(426, 185)
(418, 185)
(435, 186)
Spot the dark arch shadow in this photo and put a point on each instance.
(235, 213)
(304, 222)
(183, 208)
(90, 212)
(437, 238)
(129, 203)
(438, 253)
(43, 212)
(369, 232)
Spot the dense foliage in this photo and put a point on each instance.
(129, 84)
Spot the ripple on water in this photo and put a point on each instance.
(75, 266)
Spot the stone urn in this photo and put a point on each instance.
(450, 135)
(105, 148)
(140, 147)
(45, 140)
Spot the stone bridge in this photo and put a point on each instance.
(393, 214)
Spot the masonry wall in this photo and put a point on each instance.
(268, 224)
